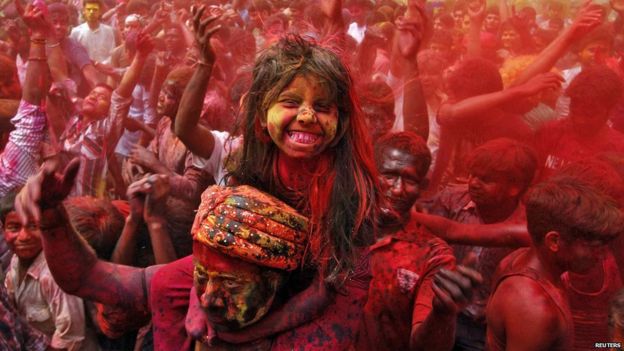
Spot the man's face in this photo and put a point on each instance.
(510, 39)
(488, 190)
(491, 22)
(400, 179)
(586, 120)
(173, 40)
(232, 293)
(24, 241)
(594, 53)
(97, 103)
(91, 12)
(580, 256)
(130, 25)
(61, 25)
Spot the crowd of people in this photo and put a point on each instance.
(311, 175)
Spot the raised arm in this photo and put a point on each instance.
(452, 114)
(410, 35)
(476, 10)
(74, 265)
(36, 83)
(131, 77)
(588, 18)
(197, 138)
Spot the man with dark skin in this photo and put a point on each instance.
(416, 293)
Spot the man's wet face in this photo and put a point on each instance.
(400, 179)
(581, 256)
(232, 293)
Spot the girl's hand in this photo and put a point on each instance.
(204, 30)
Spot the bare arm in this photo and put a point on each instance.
(74, 265)
(333, 11)
(197, 138)
(131, 77)
(476, 10)
(415, 116)
(452, 290)
(452, 114)
(589, 17)
(505, 11)
(528, 318)
(486, 235)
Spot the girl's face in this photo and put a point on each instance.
(303, 120)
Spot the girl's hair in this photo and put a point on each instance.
(341, 198)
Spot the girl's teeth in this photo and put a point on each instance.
(303, 138)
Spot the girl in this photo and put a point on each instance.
(303, 141)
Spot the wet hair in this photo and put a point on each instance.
(574, 209)
(7, 204)
(409, 143)
(595, 87)
(341, 198)
(473, 77)
(97, 221)
(507, 158)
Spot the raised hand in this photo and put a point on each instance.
(454, 289)
(540, 83)
(145, 44)
(143, 157)
(46, 189)
(476, 10)
(588, 18)
(409, 36)
(35, 19)
(204, 29)
(136, 198)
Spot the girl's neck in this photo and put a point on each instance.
(295, 173)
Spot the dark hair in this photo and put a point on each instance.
(7, 203)
(572, 208)
(508, 158)
(342, 194)
(97, 221)
(59, 9)
(408, 142)
(99, 2)
(596, 86)
(473, 77)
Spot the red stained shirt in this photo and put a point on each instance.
(400, 296)
(558, 145)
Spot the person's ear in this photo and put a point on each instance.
(552, 241)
